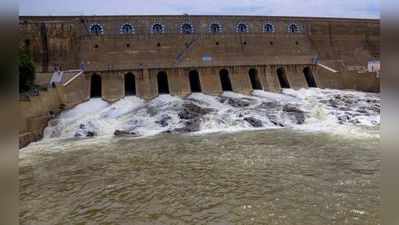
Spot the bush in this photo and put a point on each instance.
(26, 71)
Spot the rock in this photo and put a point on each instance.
(192, 111)
(82, 126)
(294, 111)
(53, 122)
(355, 121)
(333, 103)
(375, 108)
(189, 126)
(292, 108)
(362, 110)
(83, 133)
(192, 114)
(152, 110)
(254, 122)
(270, 105)
(277, 123)
(125, 133)
(164, 121)
(344, 109)
(235, 102)
(91, 134)
(343, 118)
(52, 114)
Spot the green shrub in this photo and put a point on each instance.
(26, 71)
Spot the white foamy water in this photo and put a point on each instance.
(317, 110)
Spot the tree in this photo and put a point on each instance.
(26, 71)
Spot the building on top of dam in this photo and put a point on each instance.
(149, 55)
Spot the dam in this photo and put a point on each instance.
(82, 57)
(201, 120)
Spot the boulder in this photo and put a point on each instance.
(254, 122)
(192, 111)
(235, 102)
(276, 123)
(164, 121)
(292, 108)
(125, 133)
(294, 111)
(270, 105)
(343, 119)
(91, 134)
(189, 126)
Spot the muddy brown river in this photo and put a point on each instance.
(269, 177)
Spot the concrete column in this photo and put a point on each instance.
(76, 92)
(173, 81)
(272, 79)
(139, 79)
(112, 86)
(313, 68)
(147, 87)
(178, 82)
(295, 77)
(262, 77)
(184, 82)
(240, 80)
(210, 81)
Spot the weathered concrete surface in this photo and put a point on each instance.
(67, 42)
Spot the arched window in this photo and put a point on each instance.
(241, 28)
(187, 28)
(293, 28)
(268, 27)
(157, 28)
(215, 28)
(127, 29)
(96, 28)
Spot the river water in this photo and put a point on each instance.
(300, 173)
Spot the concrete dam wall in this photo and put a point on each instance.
(151, 55)
(273, 52)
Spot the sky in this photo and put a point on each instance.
(312, 8)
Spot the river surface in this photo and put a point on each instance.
(275, 176)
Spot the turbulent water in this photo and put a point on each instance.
(345, 112)
(300, 157)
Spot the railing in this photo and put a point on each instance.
(327, 68)
(80, 72)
